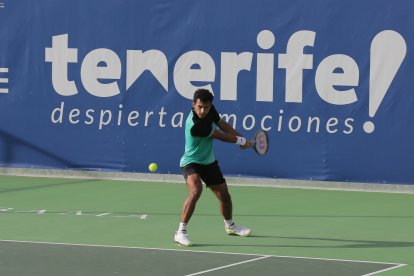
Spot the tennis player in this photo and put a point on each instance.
(198, 163)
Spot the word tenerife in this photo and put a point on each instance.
(101, 70)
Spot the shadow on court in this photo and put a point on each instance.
(72, 213)
(45, 186)
(47, 259)
(353, 243)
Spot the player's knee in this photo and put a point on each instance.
(195, 193)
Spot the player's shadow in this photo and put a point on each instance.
(350, 244)
(326, 216)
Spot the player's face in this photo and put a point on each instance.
(201, 108)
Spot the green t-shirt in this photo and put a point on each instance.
(199, 138)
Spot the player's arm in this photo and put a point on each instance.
(228, 133)
(227, 128)
(225, 137)
(230, 138)
(223, 125)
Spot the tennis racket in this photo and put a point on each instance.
(260, 142)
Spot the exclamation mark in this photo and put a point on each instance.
(3, 80)
(388, 50)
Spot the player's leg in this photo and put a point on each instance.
(226, 205)
(213, 177)
(226, 208)
(195, 188)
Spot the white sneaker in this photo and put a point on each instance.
(181, 238)
(238, 230)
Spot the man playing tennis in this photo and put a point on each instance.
(198, 163)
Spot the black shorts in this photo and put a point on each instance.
(210, 174)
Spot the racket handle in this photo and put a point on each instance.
(252, 143)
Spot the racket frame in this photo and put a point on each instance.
(254, 145)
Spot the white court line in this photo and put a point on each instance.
(103, 214)
(397, 265)
(230, 265)
(77, 213)
(383, 270)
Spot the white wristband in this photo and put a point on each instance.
(240, 141)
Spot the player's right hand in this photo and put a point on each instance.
(247, 145)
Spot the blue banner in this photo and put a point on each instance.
(107, 85)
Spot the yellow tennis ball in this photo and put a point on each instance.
(153, 167)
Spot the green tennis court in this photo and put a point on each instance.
(61, 226)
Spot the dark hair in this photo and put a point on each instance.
(204, 95)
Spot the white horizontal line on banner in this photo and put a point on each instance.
(4, 70)
(4, 90)
(4, 80)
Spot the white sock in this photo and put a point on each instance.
(228, 223)
(182, 227)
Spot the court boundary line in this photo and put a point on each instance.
(396, 265)
(383, 270)
(229, 265)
